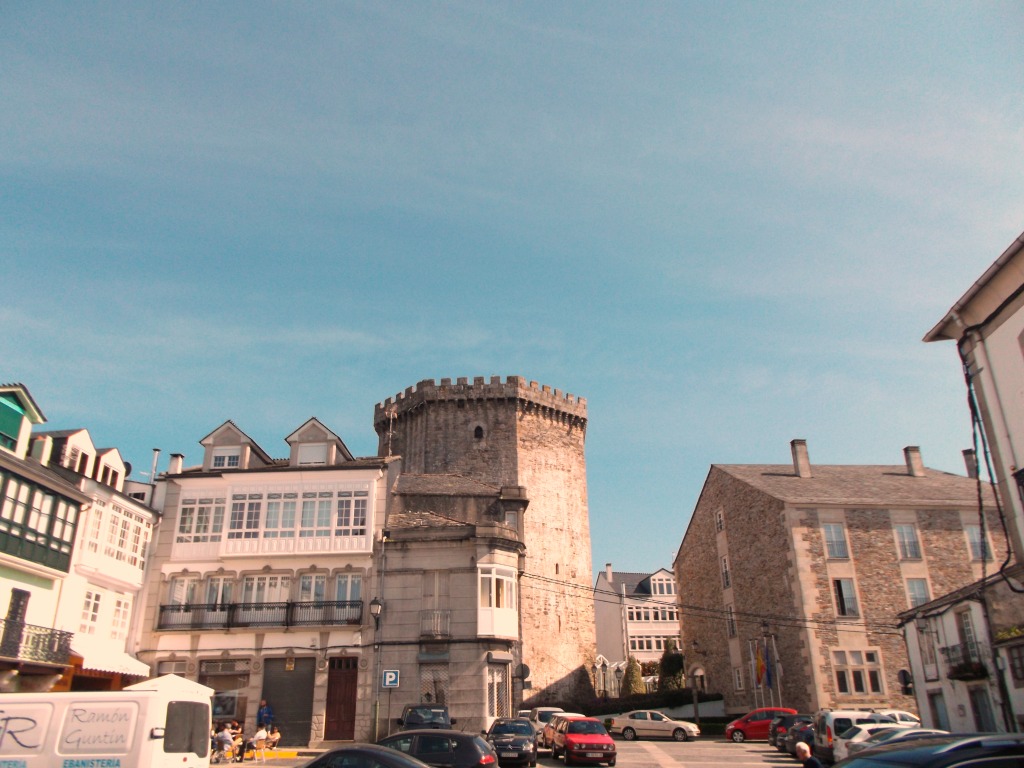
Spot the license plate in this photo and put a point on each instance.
(594, 754)
(509, 754)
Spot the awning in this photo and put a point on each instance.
(107, 656)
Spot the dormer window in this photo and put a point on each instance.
(11, 416)
(226, 458)
(314, 453)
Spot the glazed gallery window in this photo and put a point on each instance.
(280, 521)
(835, 541)
(245, 516)
(497, 588)
(122, 613)
(906, 539)
(857, 672)
(846, 597)
(351, 514)
(200, 520)
(315, 521)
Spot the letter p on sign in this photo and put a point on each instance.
(390, 679)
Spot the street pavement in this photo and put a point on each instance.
(712, 752)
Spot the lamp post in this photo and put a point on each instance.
(376, 608)
(619, 673)
(604, 679)
(593, 669)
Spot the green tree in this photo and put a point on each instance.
(632, 680)
(670, 668)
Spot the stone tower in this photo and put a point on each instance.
(516, 433)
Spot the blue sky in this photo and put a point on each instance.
(727, 225)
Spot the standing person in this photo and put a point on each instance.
(803, 754)
(265, 714)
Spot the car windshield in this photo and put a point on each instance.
(545, 716)
(585, 726)
(885, 734)
(425, 715)
(513, 727)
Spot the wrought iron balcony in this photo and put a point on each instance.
(27, 642)
(287, 614)
(963, 662)
(435, 623)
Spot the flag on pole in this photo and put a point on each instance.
(759, 662)
(767, 664)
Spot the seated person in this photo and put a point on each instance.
(273, 737)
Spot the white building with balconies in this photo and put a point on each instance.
(259, 580)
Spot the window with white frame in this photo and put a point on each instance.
(219, 590)
(244, 522)
(94, 536)
(351, 514)
(183, 590)
(265, 589)
(312, 587)
(846, 597)
(978, 545)
(90, 613)
(835, 541)
(315, 520)
(719, 521)
(200, 519)
(906, 540)
(730, 621)
(726, 577)
(313, 453)
(122, 614)
(349, 587)
(737, 678)
(917, 591)
(227, 458)
(662, 585)
(857, 672)
(497, 588)
(280, 518)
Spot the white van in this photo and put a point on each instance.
(831, 724)
(162, 722)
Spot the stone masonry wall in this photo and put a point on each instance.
(515, 432)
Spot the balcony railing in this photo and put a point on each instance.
(287, 614)
(27, 642)
(963, 662)
(435, 623)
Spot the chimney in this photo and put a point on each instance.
(971, 462)
(801, 461)
(608, 572)
(912, 455)
(177, 459)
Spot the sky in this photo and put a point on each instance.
(726, 225)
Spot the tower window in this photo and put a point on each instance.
(478, 433)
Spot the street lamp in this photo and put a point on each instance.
(619, 672)
(376, 607)
(604, 679)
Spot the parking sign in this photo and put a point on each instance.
(390, 679)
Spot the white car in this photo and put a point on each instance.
(858, 733)
(904, 718)
(650, 723)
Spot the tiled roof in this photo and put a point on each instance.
(851, 485)
(443, 485)
(421, 519)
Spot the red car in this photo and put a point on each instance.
(583, 740)
(754, 725)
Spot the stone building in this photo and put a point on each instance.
(812, 563)
(492, 507)
(259, 578)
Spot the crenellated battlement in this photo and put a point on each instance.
(512, 388)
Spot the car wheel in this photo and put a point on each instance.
(739, 737)
(629, 734)
(679, 734)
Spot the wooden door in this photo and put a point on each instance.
(340, 718)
